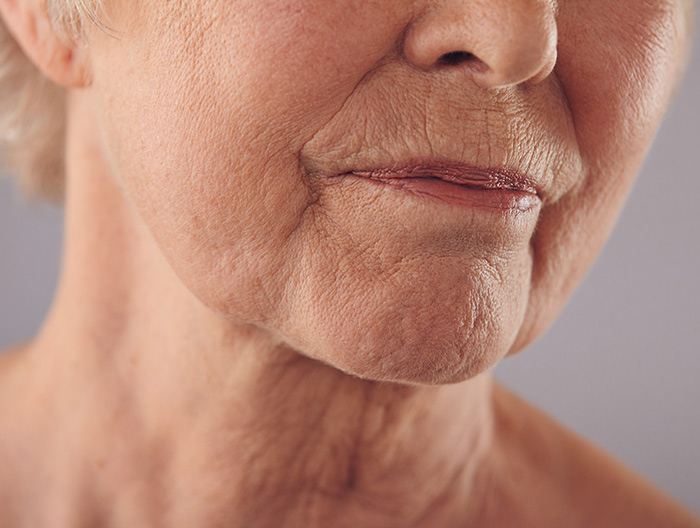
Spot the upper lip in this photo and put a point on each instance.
(503, 148)
(454, 172)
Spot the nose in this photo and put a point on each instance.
(498, 42)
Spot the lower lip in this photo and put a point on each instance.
(496, 199)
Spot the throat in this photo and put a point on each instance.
(331, 450)
(297, 444)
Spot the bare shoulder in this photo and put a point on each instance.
(12, 366)
(24, 432)
(552, 477)
(20, 402)
(14, 382)
(11, 417)
(9, 368)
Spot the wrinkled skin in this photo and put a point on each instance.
(225, 123)
(222, 235)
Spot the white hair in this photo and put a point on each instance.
(32, 108)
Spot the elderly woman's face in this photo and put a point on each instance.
(332, 170)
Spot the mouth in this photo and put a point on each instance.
(459, 185)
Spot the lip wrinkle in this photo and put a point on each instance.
(473, 177)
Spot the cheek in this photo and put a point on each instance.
(211, 176)
(618, 72)
(202, 126)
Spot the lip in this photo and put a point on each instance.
(458, 184)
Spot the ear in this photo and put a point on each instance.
(59, 58)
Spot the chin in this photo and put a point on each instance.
(417, 347)
(433, 321)
(436, 358)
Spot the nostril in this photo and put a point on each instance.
(455, 58)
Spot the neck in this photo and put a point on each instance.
(185, 418)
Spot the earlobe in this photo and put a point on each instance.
(60, 58)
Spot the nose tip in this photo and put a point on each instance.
(498, 42)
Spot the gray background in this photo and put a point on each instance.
(620, 366)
